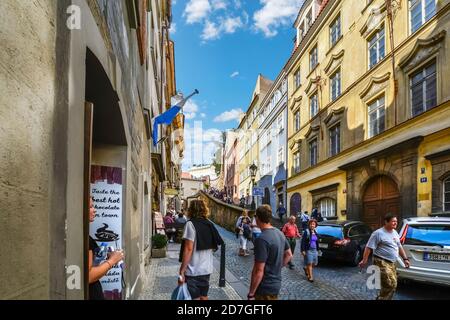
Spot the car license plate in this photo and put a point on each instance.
(436, 257)
(323, 245)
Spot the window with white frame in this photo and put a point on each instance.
(376, 117)
(335, 30)
(297, 162)
(335, 85)
(280, 123)
(309, 19)
(423, 89)
(313, 58)
(297, 81)
(327, 207)
(335, 140)
(280, 156)
(284, 86)
(446, 204)
(376, 47)
(420, 12)
(313, 152)
(297, 121)
(314, 105)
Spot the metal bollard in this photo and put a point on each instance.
(222, 266)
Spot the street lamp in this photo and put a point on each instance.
(253, 169)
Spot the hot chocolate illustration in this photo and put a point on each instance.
(105, 235)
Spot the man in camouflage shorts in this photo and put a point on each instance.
(386, 247)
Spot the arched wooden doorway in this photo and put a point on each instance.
(381, 196)
(295, 204)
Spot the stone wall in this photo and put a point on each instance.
(27, 100)
(225, 215)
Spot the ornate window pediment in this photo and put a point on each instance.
(375, 85)
(376, 17)
(334, 116)
(312, 85)
(335, 61)
(295, 145)
(312, 131)
(422, 51)
(295, 104)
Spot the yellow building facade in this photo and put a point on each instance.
(369, 109)
(248, 147)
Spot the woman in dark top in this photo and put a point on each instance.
(309, 249)
(97, 272)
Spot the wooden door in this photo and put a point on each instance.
(381, 197)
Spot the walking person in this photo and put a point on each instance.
(316, 215)
(272, 252)
(243, 228)
(200, 239)
(290, 230)
(281, 211)
(304, 219)
(385, 245)
(309, 246)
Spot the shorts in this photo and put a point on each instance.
(311, 257)
(198, 286)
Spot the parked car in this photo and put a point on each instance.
(343, 240)
(427, 244)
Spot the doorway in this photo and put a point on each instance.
(381, 196)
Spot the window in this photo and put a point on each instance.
(376, 48)
(376, 117)
(297, 121)
(423, 89)
(297, 82)
(336, 85)
(447, 195)
(280, 123)
(297, 162)
(335, 140)
(327, 207)
(314, 105)
(313, 152)
(280, 156)
(421, 11)
(313, 59)
(335, 30)
(309, 21)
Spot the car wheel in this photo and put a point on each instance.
(357, 257)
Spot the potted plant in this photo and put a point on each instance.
(159, 246)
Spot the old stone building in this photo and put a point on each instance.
(369, 108)
(80, 81)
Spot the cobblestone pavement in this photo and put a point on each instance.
(333, 280)
(162, 279)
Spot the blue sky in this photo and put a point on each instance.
(220, 48)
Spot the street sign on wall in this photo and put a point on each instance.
(258, 192)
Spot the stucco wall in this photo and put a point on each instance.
(221, 213)
(27, 89)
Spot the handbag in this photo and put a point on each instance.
(181, 293)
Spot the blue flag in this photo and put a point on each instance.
(168, 116)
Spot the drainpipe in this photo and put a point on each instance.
(390, 15)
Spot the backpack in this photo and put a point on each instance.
(247, 231)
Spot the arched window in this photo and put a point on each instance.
(446, 188)
(327, 207)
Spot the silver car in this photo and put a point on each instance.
(427, 244)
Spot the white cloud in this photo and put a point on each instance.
(230, 25)
(219, 4)
(190, 109)
(234, 74)
(234, 114)
(211, 31)
(203, 115)
(274, 14)
(196, 10)
(173, 28)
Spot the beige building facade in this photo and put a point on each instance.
(77, 91)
